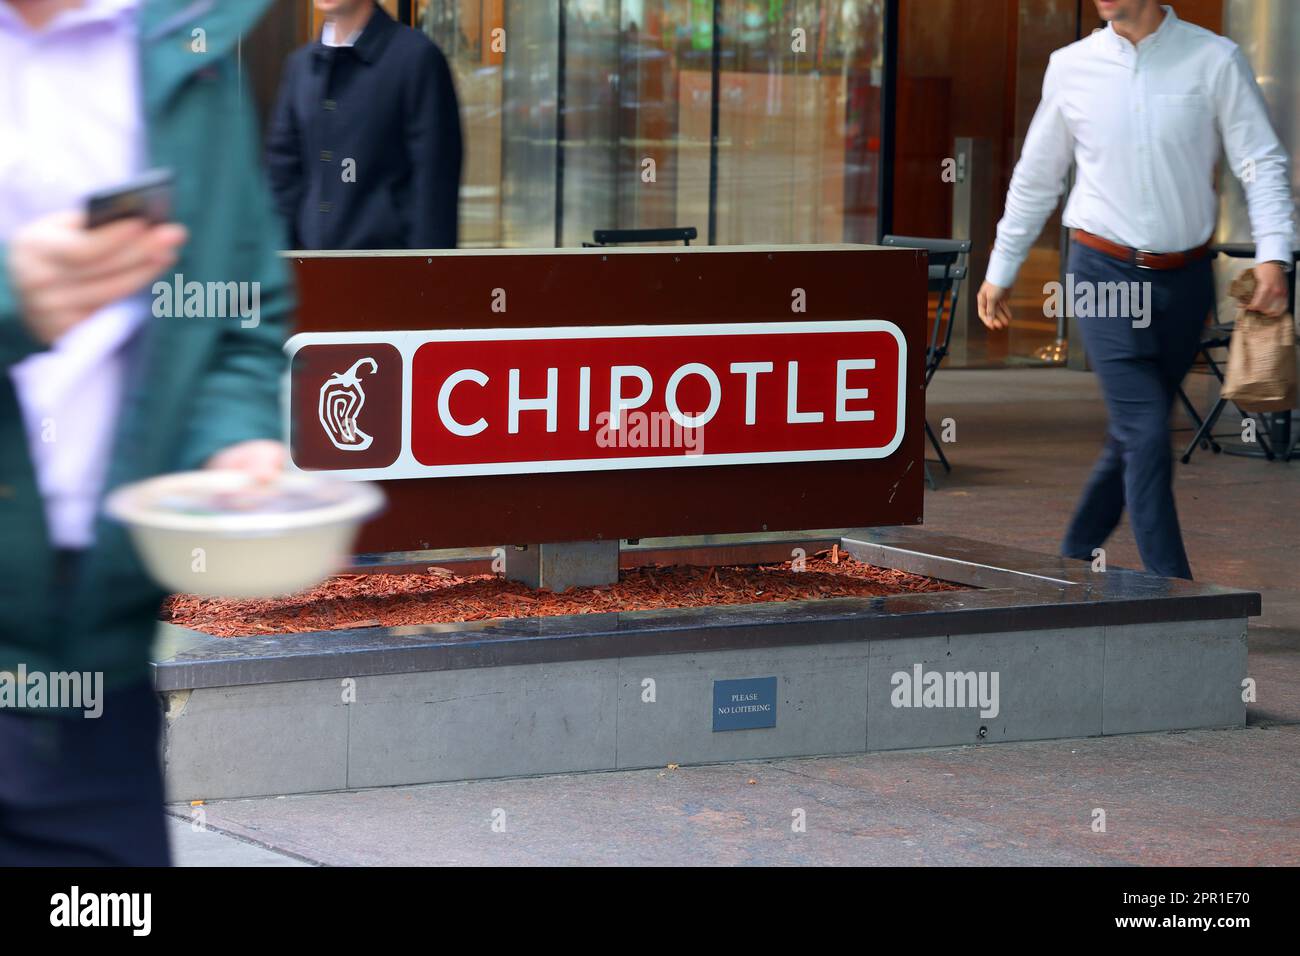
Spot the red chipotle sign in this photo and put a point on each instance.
(382, 405)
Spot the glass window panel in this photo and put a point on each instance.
(590, 146)
(798, 147)
(798, 130)
(471, 34)
(1044, 26)
(976, 79)
(666, 94)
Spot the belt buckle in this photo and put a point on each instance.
(1138, 257)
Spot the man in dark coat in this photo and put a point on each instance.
(364, 150)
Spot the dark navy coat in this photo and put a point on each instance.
(364, 149)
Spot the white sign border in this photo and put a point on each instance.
(407, 342)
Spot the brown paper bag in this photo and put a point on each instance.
(1261, 375)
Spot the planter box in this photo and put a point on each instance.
(1045, 648)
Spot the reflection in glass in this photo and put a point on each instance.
(797, 126)
(799, 120)
(589, 152)
(506, 58)
(1044, 26)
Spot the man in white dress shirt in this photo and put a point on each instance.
(1141, 109)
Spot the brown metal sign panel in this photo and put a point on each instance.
(713, 294)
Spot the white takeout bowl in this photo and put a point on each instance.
(243, 554)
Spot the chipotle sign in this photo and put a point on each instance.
(383, 405)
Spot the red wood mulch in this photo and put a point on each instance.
(442, 597)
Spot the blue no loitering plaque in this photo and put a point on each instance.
(745, 704)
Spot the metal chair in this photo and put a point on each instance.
(1218, 337)
(614, 237)
(947, 262)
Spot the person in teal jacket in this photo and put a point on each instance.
(191, 391)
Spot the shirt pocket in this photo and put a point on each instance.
(1182, 118)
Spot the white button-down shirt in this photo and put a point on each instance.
(71, 123)
(1144, 124)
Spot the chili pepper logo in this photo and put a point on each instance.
(341, 400)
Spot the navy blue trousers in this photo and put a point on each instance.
(84, 792)
(1139, 370)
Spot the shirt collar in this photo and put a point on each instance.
(370, 44)
(327, 36)
(90, 11)
(1122, 44)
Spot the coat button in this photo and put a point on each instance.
(330, 104)
(326, 206)
(326, 156)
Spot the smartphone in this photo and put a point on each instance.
(147, 196)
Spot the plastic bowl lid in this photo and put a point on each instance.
(231, 502)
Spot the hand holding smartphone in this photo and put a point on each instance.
(68, 265)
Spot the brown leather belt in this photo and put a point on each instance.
(1142, 258)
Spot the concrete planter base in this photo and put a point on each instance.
(1046, 649)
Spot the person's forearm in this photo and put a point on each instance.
(286, 192)
(238, 398)
(1258, 158)
(1036, 184)
(433, 148)
(284, 172)
(435, 227)
(1029, 204)
(1268, 203)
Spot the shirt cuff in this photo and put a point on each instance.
(1002, 270)
(1275, 249)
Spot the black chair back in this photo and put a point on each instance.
(614, 237)
(947, 258)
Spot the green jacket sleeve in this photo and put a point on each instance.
(16, 343)
(238, 397)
